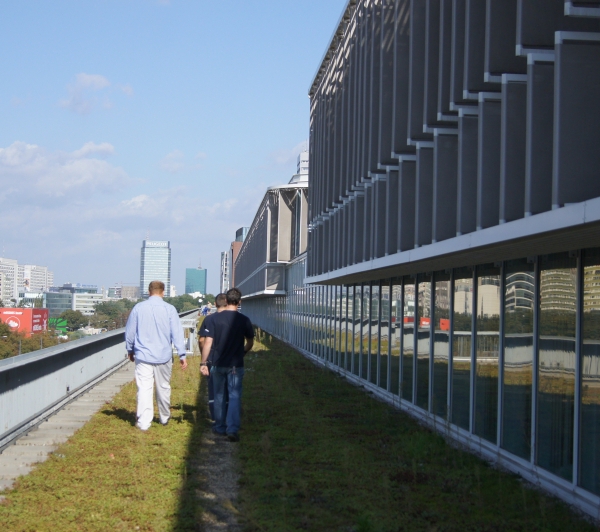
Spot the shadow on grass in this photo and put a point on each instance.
(189, 512)
(123, 414)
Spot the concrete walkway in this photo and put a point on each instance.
(33, 448)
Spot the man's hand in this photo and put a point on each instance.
(131, 357)
(204, 370)
(183, 362)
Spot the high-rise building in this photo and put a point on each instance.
(224, 284)
(155, 265)
(10, 286)
(32, 278)
(195, 280)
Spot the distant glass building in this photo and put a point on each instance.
(195, 280)
(155, 265)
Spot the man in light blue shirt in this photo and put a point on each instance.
(153, 326)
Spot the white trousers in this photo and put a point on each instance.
(145, 376)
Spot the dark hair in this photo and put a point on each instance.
(156, 286)
(221, 300)
(234, 296)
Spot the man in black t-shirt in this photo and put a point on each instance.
(231, 337)
(220, 303)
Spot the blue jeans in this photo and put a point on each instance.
(227, 416)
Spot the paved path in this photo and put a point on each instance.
(20, 458)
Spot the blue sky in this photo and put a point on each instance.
(126, 117)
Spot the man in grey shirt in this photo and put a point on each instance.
(152, 327)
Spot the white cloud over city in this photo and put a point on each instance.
(88, 91)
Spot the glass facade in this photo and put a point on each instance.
(507, 353)
(155, 265)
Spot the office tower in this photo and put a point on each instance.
(195, 280)
(155, 265)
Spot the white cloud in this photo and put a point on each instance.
(127, 89)
(29, 172)
(88, 91)
(284, 157)
(173, 162)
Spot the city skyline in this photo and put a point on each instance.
(128, 118)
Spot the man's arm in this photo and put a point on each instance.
(208, 341)
(177, 336)
(249, 344)
(130, 330)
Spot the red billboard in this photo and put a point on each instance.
(26, 320)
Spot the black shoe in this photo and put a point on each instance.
(233, 437)
(217, 433)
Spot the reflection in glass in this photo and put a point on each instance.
(441, 344)
(556, 377)
(461, 347)
(357, 337)
(518, 357)
(395, 332)
(589, 474)
(408, 339)
(423, 339)
(374, 333)
(366, 336)
(487, 350)
(384, 333)
(345, 313)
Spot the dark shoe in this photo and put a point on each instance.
(217, 433)
(233, 437)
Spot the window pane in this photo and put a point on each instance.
(486, 352)
(346, 341)
(384, 343)
(518, 357)
(557, 364)
(374, 333)
(408, 340)
(364, 354)
(423, 336)
(395, 332)
(356, 346)
(590, 378)
(441, 344)
(461, 347)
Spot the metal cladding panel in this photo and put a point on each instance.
(401, 78)
(367, 253)
(445, 187)
(540, 125)
(512, 150)
(474, 65)
(380, 218)
(424, 194)
(375, 86)
(457, 66)
(537, 20)
(500, 38)
(488, 164)
(392, 211)
(576, 120)
(406, 202)
(445, 63)
(432, 65)
(416, 101)
(386, 87)
(466, 216)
